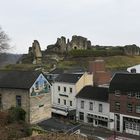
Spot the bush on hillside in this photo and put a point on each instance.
(94, 53)
(16, 114)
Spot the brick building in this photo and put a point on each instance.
(124, 101)
(100, 75)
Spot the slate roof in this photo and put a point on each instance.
(18, 79)
(94, 93)
(68, 78)
(125, 82)
(76, 70)
(57, 71)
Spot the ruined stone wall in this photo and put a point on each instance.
(35, 52)
(62, 46)
(79, 42)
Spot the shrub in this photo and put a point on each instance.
(16, 114)
(94, 53)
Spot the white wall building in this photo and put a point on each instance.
(64, 90)
(134, 69)
(93, 107)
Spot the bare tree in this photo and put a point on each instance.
(4, 41)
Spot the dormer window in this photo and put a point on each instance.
(117, 93)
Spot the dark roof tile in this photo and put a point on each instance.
(125, 82)
(18, 79)
(68, 78)
(94, 93)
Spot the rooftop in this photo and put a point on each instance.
(68, 78)
(125, 82)
(18, 79)
(94, 93)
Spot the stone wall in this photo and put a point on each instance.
(62, 46)
(40, 107)
(9, 99)
(37, 108)
(79, 42)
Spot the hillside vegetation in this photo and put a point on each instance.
(112, 62)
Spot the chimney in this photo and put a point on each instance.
(100, 75)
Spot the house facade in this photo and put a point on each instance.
(29, 90)
(64, 89)
(93, 107)
(124, 99)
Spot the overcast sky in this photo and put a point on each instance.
(104, 22)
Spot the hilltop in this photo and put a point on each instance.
(76, 53)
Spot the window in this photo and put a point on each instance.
(81, 116)
(70, 90)
(70, 103)
(41, 106)
(117, 93)
(36, 85)
(58, 88)
(129, 107)
(64, 102)
(82, 104)
(117, 106)
(90, 106)
(130, 94)
(59, 100)
(18, 100)
(137, 95)
(64, 89)
(100, 108)
(137, 108)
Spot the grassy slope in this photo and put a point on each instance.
(112, 62)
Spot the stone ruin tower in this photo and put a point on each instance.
(35, 50)
(79, 42)
(62, 45)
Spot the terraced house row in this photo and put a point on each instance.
(88, 97)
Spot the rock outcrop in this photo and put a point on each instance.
(35, 52)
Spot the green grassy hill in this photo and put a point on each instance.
(112, 63)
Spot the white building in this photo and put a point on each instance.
(93, 107)
(134, 69)
(65, 88)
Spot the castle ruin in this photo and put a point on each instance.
(62, 46)
(35, 51)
